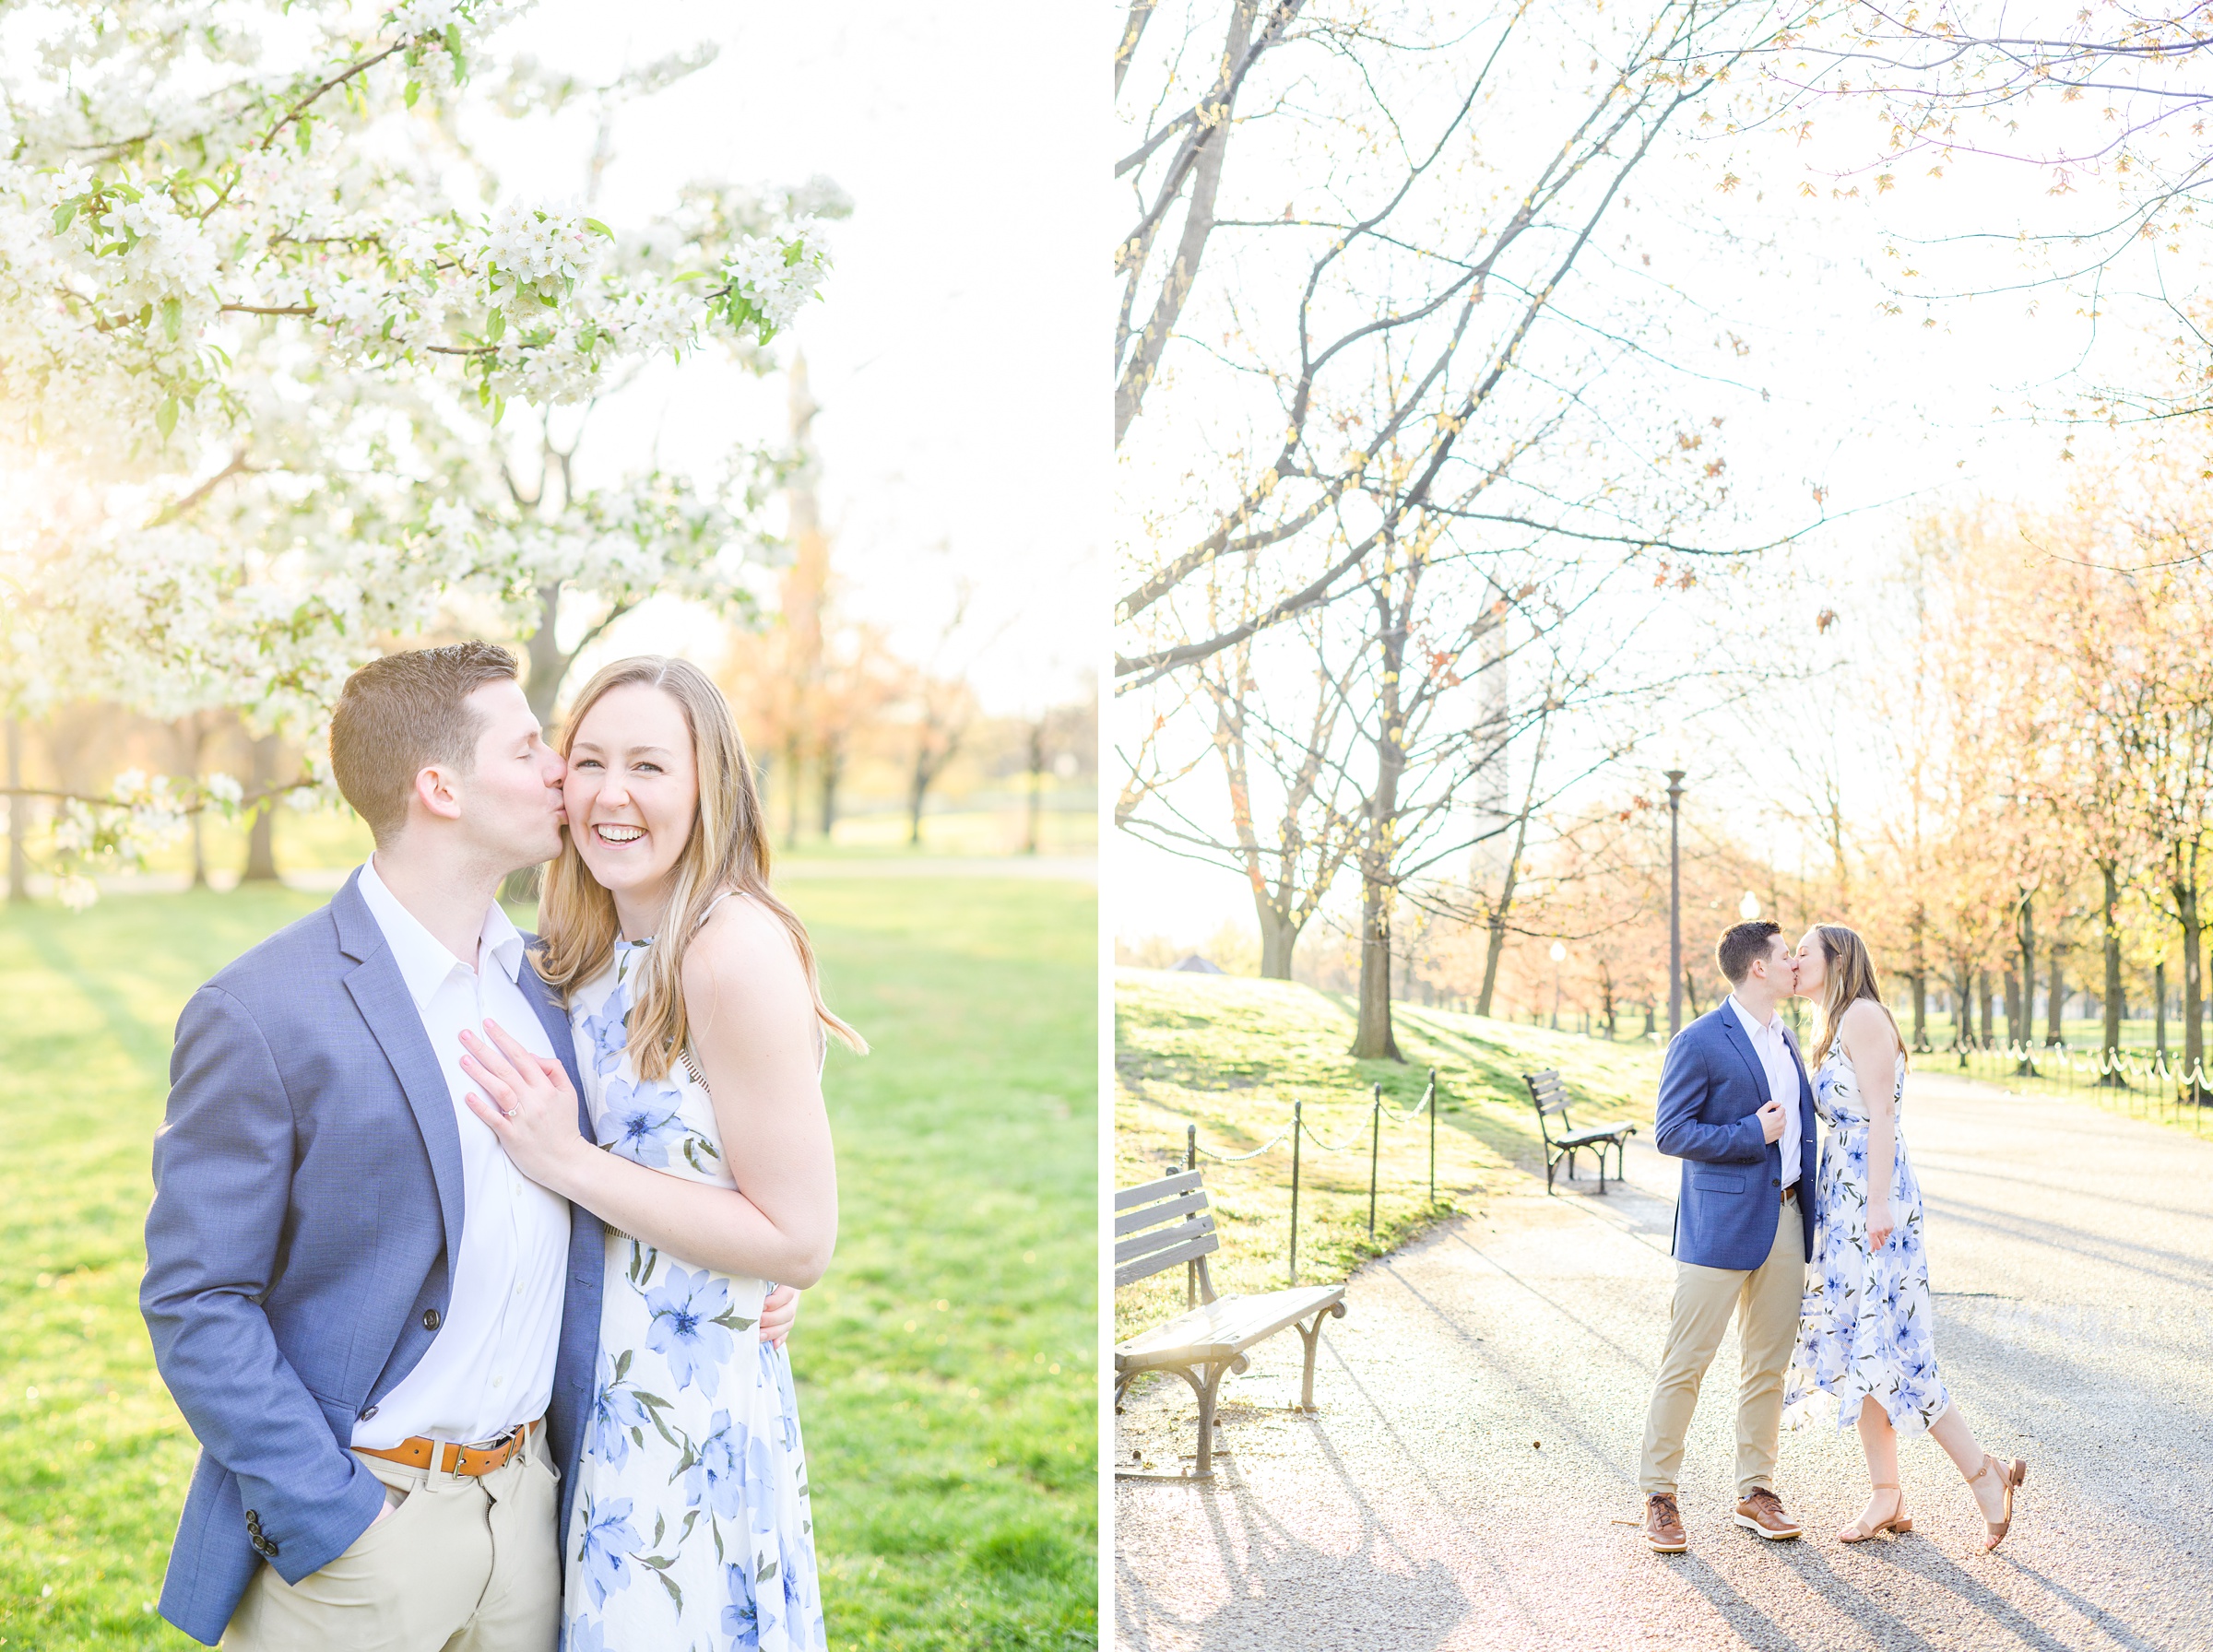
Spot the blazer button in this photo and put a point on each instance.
(431, 1321)
(269, 1549)
(253, 1517)
(364, 1416)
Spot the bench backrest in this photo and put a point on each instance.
(1161, 1224)
(1550, 1094)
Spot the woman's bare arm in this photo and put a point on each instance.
(1871, 1048)
(753, 1035)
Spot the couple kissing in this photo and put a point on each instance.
(459, 1259)
(1737, 1106)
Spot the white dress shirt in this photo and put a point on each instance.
(490, 1364)
(1775, 1060)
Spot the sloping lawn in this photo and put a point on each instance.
(1231, 1055)
(944, 1366)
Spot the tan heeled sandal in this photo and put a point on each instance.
(2010, 1477)
(1899, 1521)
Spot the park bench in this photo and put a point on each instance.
(1551, 1097)
(1163, 1224)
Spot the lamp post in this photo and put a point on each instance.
(1674, 902)
(1558, 953)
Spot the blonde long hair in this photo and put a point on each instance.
(727, 849)
(1847, 976)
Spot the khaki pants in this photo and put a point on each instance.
(460, 1564)
(1766, 1300)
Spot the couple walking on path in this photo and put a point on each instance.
(459, 1256)
(1737, 1106)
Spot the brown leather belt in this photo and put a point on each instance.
(471, 1460)
(1790, 1193)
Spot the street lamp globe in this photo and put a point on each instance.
(1558, 951)
(1748, 908)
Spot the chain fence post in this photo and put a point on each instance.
(1298, 1129)
(1433, 1138)
(1375, 1156)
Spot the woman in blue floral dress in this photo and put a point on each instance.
(1866, 1333)
(700, 1034)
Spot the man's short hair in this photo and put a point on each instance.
(1741, 945)
(397, 715)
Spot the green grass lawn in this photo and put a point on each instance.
(943, 1366)
(1231, 1055)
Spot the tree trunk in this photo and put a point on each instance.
(2056, 1003)
(1029, 845)
(1984, 984)
(2193, 1033)
(2025, 932)
(1373, 1039)
(791, 790)
(1690, 990)
(545, 663)
(2115, 1003)
(2013, 1009)
(2158, 1009)
(1279, 939)
(1920, 981)
(261, 842)
(831, 771)
(917, 793)
(1963, 1015)
(1495, 942)
(1379, 848)
(18, 818)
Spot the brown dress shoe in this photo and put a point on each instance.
(1664, 1525)
(1762, 1512)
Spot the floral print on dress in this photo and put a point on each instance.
(1864, 1329)
(692, 1529)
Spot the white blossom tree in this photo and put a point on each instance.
(262, 318)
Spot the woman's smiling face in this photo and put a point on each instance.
(631, 791)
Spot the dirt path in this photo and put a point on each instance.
(1482, 1404)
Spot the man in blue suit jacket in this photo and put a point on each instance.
(1735, 1107)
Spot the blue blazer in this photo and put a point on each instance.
(1710, 1086)
(307, 1209)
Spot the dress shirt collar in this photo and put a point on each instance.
(424, 962)
(1759, 1029)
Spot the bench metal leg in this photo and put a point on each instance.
(1311, 1336)
(1214, 1373)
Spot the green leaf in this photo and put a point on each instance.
(499, 408)
(622, 1363)
(165, 416)
(496, 327)
(307, 133)
(598, 227)
(61, 215)
(172, 317)
(414, 90)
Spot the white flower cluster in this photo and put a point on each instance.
(418, 17)
(536, 251)
(780, 273)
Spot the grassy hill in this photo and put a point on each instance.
(1231, 1055)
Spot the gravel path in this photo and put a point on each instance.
(1483, 1404)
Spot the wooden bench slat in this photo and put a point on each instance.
(1597, 1133)
(1175, 1210)
(1223, 1328)
(1129, 1273)
(1145, 1193)
(1142, 1245)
